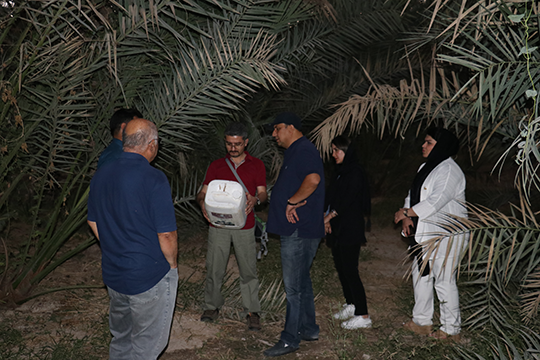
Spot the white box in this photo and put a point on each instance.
(225, 204)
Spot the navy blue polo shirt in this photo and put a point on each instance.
(300, 160)
(111, 153)
(131, 203)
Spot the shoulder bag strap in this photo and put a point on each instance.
(236, 175)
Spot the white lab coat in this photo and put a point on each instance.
(443, 192)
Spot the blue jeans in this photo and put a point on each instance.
(297, 255)
(140, 324)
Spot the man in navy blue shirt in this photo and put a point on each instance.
(117, 124)
(130, 210)
(296, 214)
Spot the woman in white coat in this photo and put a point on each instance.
(438, 190)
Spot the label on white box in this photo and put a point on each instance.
(225, 203)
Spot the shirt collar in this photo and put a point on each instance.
(296, 142)
(135, 156)
(247, 158)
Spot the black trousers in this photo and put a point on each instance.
(346, 261)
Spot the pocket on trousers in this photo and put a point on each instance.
(148, 296)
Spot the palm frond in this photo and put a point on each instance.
(531, 300)
(500, 264)
(273, 299)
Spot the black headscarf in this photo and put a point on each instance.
(447, 145)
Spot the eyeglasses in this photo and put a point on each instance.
(157, 140)
(235, 145)
(279, 128)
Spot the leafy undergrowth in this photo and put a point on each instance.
(73, 324)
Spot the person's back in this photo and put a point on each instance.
(131, 213)
(129, 222)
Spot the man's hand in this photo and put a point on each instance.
(169, 247)
(250, 203)
(290, 212)
(203, 208)
(93, 226)
(200, 200)
(308, 186)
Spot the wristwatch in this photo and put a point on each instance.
(258, 200)
(406, 213)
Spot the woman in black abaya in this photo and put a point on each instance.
(348, 201)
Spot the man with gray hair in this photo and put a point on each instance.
(130, 210)
(253, 174)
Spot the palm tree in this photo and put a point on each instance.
(192, 66)
(481, 79)
(68, 64)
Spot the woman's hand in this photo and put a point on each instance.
(400, 214)
(406, 227)
(332, 214)
(327, 228)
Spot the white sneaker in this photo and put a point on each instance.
(345, 313)
(356, 322)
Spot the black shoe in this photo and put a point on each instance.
(308, 338)
(210, 315)
(253, 321)
(280, 349)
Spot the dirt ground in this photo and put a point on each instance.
(80, 314)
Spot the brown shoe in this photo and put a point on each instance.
(253, 321)
(210, 315)
(417, 329)
(441, 335)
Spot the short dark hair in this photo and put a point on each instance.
(122, 116)
(342, 142)
(236, 129)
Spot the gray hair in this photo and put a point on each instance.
(141, 138)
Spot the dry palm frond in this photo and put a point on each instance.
(501, 54)
(384, 108)
(233, 298)
(185, 189)
(188, 66)
(273, 299)
(324, 7)
(531, 299)
(502, 261)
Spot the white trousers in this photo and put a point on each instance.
(443, 277)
